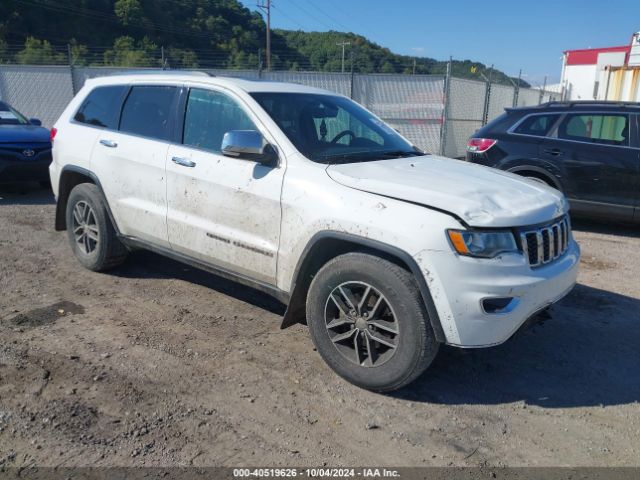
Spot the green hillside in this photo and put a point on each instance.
(190, 34)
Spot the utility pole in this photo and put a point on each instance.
(343, 44)
(265, 6)
(414, 66)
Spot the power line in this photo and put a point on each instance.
(308, 14)
(338, 8)
(302, 27)
(312, 3)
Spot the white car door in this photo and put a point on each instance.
(221, 210)
(131, 162)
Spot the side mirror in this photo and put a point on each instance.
(249, 145)
(35, 121)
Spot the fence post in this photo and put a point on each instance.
(445, 108)
(516, 91)
(74, 87)
(259, 63)
(487, 98)
(351, 75)
(544, 87)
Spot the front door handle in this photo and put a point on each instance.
(185, 162)
(108, 143)
(554, 151)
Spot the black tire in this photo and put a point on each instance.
(107, 251)
(416, 346)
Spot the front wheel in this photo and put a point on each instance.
(368, 322)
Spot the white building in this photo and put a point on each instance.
(611, 73)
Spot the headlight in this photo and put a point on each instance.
(487, 244)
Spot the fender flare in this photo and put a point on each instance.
(539, 170)
(61, 201)
(297, 303)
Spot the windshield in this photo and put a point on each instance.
(9, 116)
(332, 129)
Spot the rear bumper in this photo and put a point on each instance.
(460, 284)
(16, 171)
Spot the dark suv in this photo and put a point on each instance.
(588, 150)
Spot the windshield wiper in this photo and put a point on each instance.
(369, 155)
(351, 156)
(400, 154)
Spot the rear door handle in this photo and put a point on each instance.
(185, 162)
(108, 143)
(554, 151)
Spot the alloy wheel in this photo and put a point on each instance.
(361, 324)
(85, 228)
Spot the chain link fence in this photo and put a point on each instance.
(436, 115)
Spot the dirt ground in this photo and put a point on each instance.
(159, 364)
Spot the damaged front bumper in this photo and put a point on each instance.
(483, 302)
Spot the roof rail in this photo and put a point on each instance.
(577, 103)
(196, 73)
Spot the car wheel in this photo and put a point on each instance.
(368, 322)
(539, 180)
(92, 237)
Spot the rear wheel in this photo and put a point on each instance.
(92, 237)
(368, 322)
(539, 178)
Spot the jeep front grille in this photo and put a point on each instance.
(545, 244)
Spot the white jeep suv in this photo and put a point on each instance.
(385, 251)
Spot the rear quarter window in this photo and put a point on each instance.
(102, 107)
(537, 125)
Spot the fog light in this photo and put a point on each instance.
(499, 304)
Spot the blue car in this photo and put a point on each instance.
(25, 148)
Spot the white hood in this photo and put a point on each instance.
(480, 196)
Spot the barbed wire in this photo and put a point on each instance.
(140, 56)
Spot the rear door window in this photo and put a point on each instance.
(147, 111)
(102, 107)
(537, 125)
(209, 116)
(606, 129)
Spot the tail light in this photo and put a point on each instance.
(52, 134)
(480, 145)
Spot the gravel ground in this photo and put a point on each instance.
(160, 364)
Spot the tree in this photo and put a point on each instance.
(387, 67)
(128, 11)
(3, 52)
(79, 53)
(39, 52)
(127, 53)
